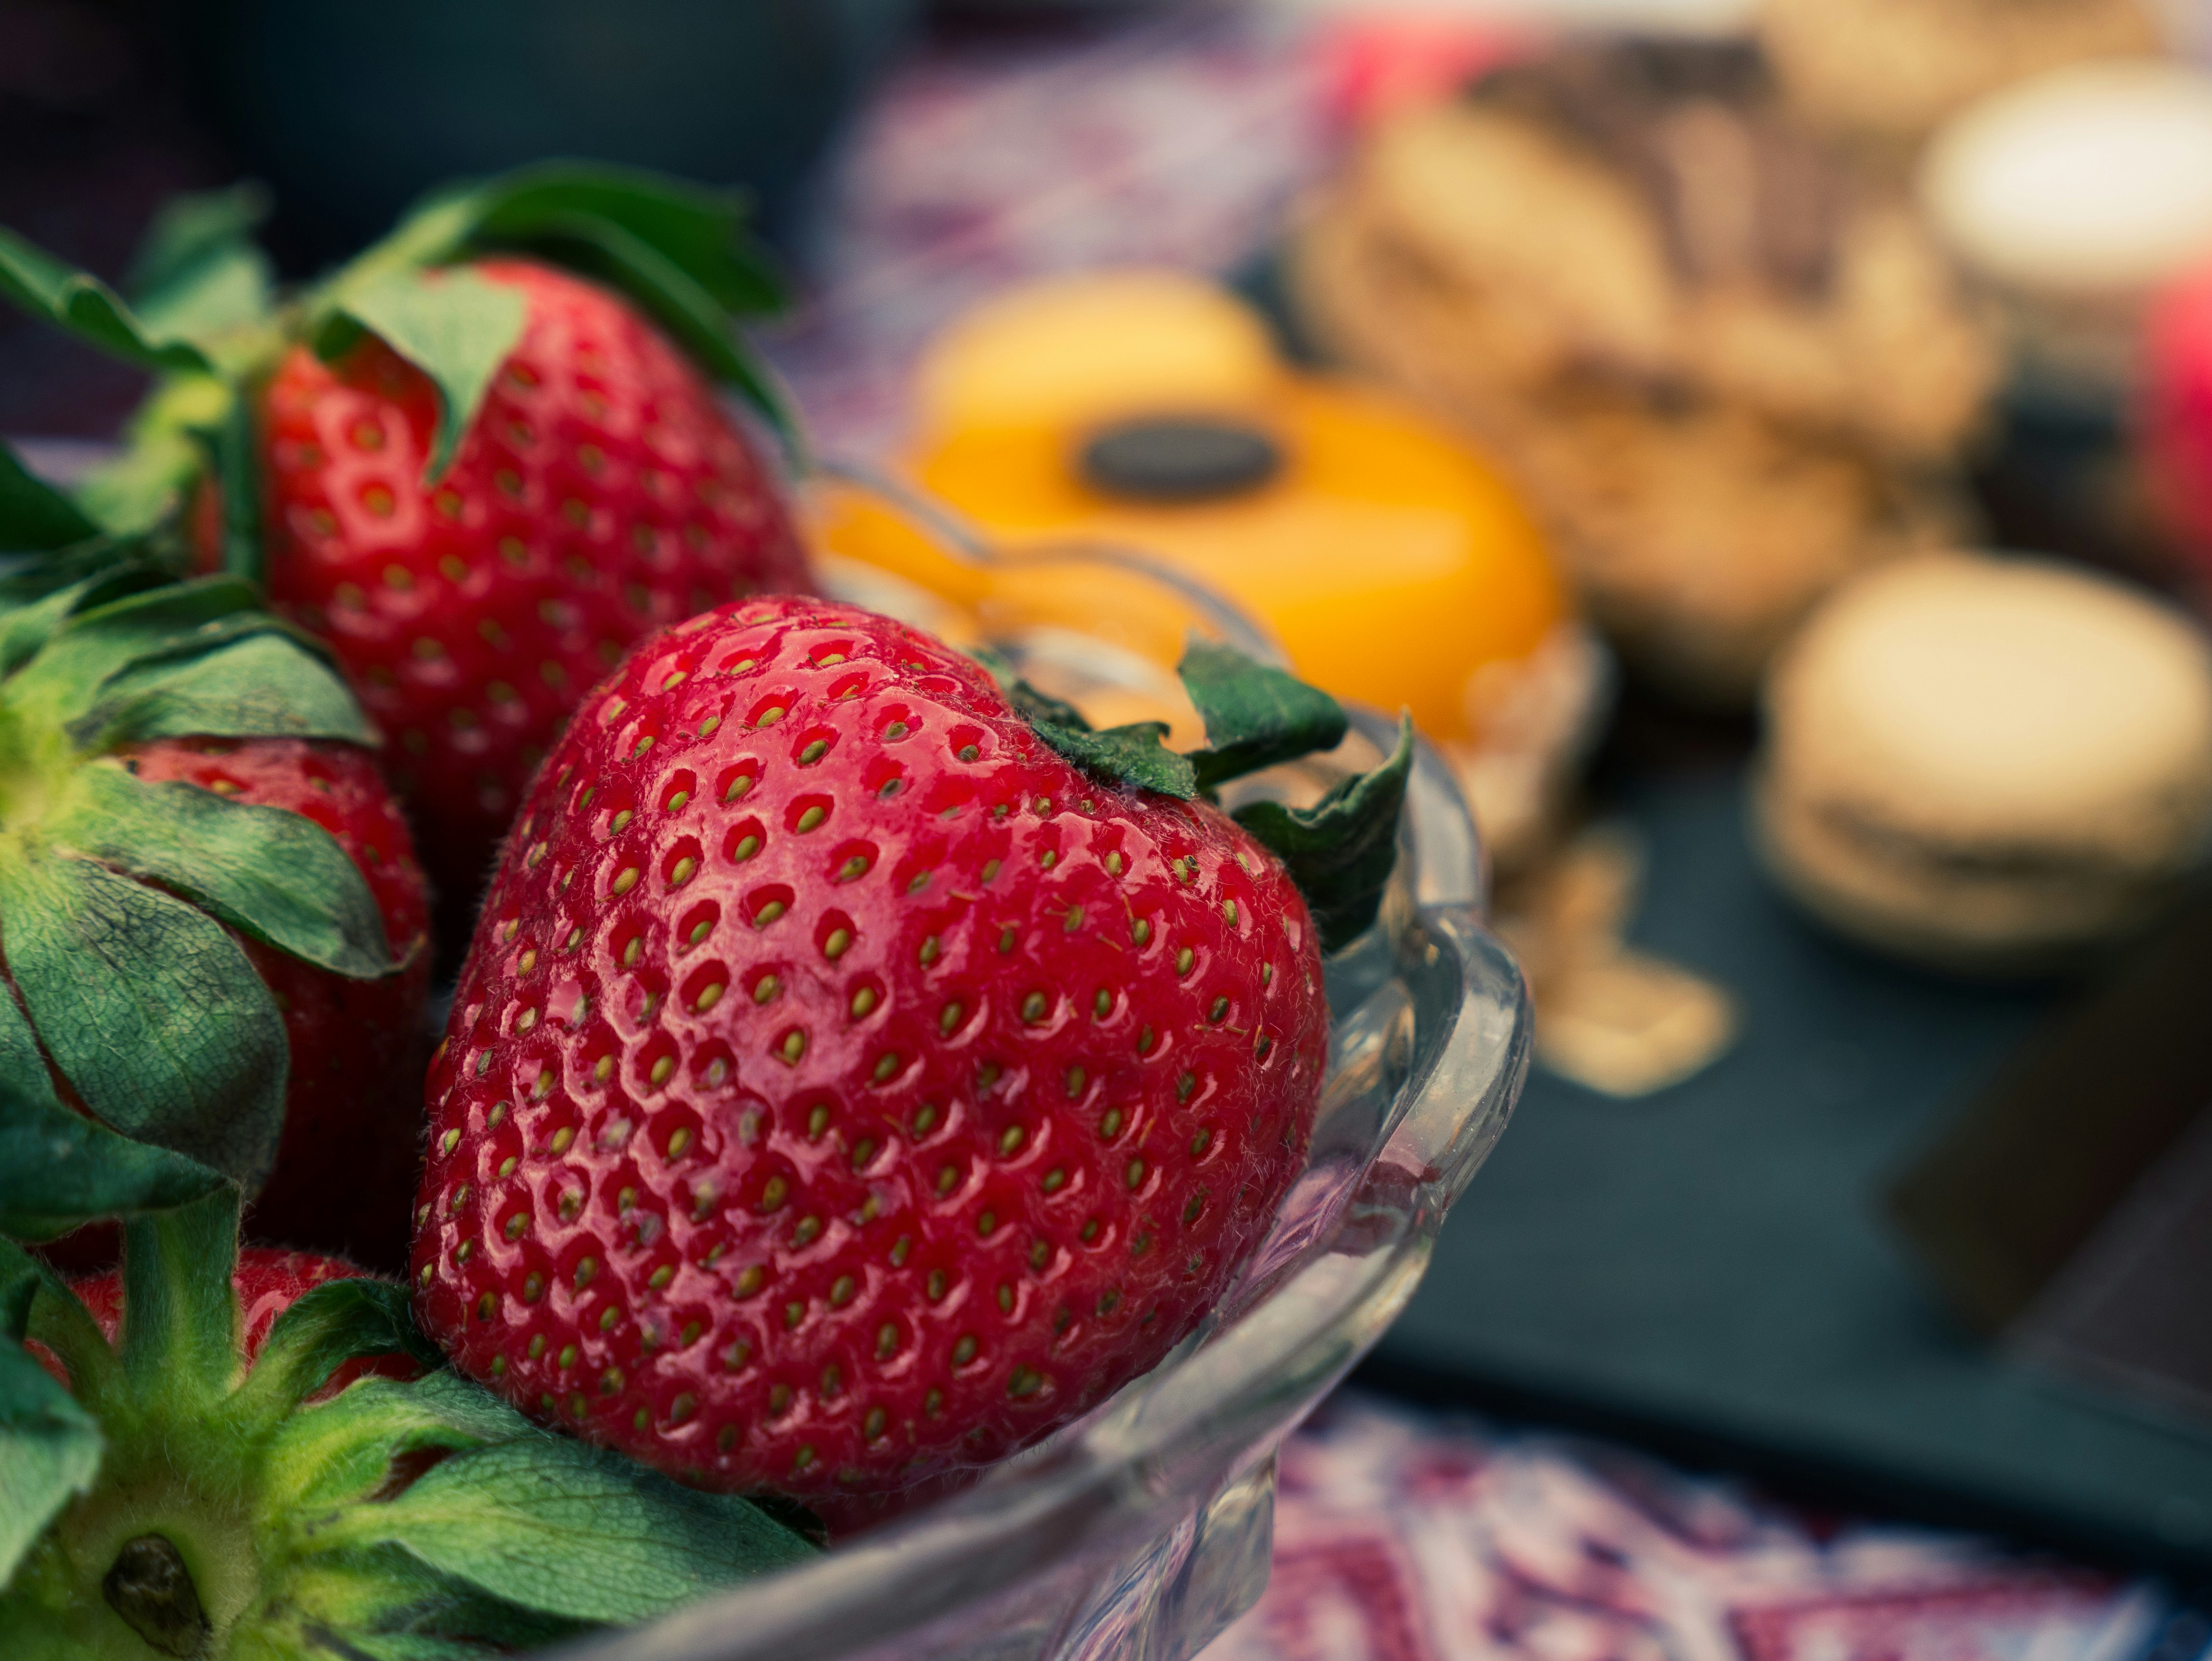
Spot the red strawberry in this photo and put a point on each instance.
(479, 477)
(601, 493)
(843, 1087)
(352, 1131)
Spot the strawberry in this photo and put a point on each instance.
(601, 493)
(209, 910)
(855, 1076)
(346, 1160)
(479, 477)
(223, 1457)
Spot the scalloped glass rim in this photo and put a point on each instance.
(1145, 1527)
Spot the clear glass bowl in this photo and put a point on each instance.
(1143, 1529)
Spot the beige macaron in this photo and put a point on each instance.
(1987, 765)
(2072, 197)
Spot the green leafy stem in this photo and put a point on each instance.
(1339, 852)
(124, 901)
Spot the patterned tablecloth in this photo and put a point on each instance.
(1180, 141)
(1400, 1536)
(1403, 1537)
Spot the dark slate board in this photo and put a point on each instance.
(1709, 1269)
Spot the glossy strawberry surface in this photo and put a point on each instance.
(352, 1116)
(602, 492)
(841, 1087)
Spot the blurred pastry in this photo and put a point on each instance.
(1148, 409)
(1890, 72)
(1644, 211)
(1987, 765)
(1728, 375)
(2071, 197)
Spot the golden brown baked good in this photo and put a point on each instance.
(1644, 211)
(1890, 72)
(1727, 377)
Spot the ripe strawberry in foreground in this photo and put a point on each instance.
(854, 1077)
(481, 459)
(226, 1458)
(213, 924)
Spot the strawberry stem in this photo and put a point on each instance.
(66, 1328)
(1340, 852)
(325, 1328)
(180, 1319)
(224, 433)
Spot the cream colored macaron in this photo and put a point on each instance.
(1987, 763)
(2091, 179)
(2070, 199)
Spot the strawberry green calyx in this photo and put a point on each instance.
(118, 896)
(34, 517)
(1339, 851)
(1255, 716)
(199, 276)
(198, 310)
(198, 1492)
(198, 293)
(87, 307)
(678, 250)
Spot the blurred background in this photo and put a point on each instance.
(1767, 443)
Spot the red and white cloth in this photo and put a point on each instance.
(1402, 1536)
(1180, 140)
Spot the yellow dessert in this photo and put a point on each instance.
(1064, 353)
(1149, 410)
